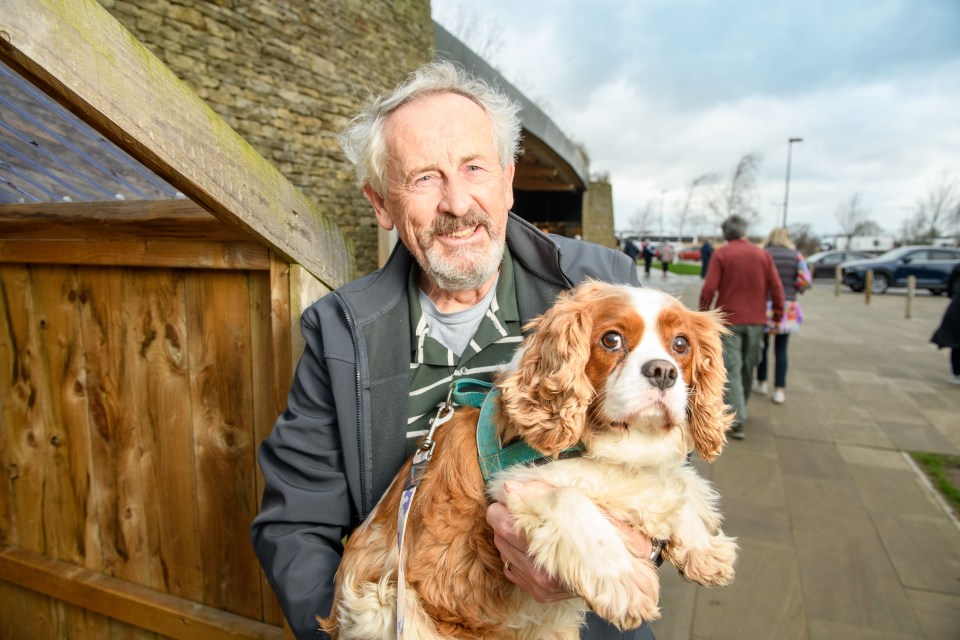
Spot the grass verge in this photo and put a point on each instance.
(682, 268)
(944, 473)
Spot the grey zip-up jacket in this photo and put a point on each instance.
(325, 464)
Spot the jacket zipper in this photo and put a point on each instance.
(356, 385)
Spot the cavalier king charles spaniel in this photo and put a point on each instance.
(637, 380)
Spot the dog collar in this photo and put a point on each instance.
(492, 456)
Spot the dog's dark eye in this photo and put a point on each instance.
(612, 341)
(681, 345)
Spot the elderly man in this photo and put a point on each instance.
(436, 161)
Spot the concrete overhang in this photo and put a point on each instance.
(549, 160)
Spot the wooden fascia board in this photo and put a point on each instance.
(81, 56)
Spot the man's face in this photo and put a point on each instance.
(446, 193)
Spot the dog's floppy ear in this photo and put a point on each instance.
(546, 397)
(709, 416)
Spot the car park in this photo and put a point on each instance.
(823, 264)
(930, 265)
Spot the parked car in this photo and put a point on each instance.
(823, 264)
(931, 266)
(689, 253)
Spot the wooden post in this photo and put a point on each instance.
(868, 286)
(911, 292)
(837, 279)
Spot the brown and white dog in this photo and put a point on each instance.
(638, 379)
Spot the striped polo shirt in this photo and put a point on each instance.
(434, 366)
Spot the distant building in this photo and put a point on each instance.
(858, 243)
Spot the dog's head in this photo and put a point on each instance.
(629, 371)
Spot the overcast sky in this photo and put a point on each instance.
(663, 91)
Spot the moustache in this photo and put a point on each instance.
(446, 223)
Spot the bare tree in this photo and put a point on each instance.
(804, 238)
(686, 213)
(854, 218)
(472, 27)
(937, 214)
(736, 195)
(642, 220)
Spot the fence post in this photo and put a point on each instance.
(911, 292)
(837, 278)
(868, 286)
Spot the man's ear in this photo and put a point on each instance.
(508, 174)
(384, 219)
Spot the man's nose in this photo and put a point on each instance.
(456, 197)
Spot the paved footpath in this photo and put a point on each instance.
(841, 537)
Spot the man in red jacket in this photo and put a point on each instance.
(742, 277)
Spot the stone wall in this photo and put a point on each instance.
(598, 214)
(287, 75)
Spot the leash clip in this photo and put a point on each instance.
(443, 416)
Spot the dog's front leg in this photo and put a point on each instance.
(698, 548)
(573, 541)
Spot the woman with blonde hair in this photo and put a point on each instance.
(796, 278)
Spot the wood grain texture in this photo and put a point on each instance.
(144, 608)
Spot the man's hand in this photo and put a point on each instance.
(519, 567)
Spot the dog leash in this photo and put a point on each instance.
(463, 392)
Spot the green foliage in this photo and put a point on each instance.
(681, 268)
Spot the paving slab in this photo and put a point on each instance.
(841, 537)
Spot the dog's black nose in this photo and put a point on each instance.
(661, 373)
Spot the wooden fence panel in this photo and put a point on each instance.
(25, 614)
(218, 325)
(133, 402)
(162, 316)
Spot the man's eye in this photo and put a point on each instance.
(681, 345)
(612, 341)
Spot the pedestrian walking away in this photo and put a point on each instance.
(795, 277)
(666, 258)
(706, 250)
(647, 257)
(742, 277)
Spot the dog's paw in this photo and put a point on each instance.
(626, 595)
(575, 543)
(712, 566)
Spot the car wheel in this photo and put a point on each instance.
(857, 289)
(881, 282)
(937, 292)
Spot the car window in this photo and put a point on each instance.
(942, 254)
(917, 256)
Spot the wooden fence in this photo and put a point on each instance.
(145, 350)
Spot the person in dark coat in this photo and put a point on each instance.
(380, 349)
(706, 250)
(647, 257)
(947, 335)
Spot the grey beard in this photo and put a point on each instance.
(450, 274)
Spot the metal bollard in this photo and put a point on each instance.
(868, 286)
(911, 292)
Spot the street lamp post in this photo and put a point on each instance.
(662, 193)
(786, 193)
